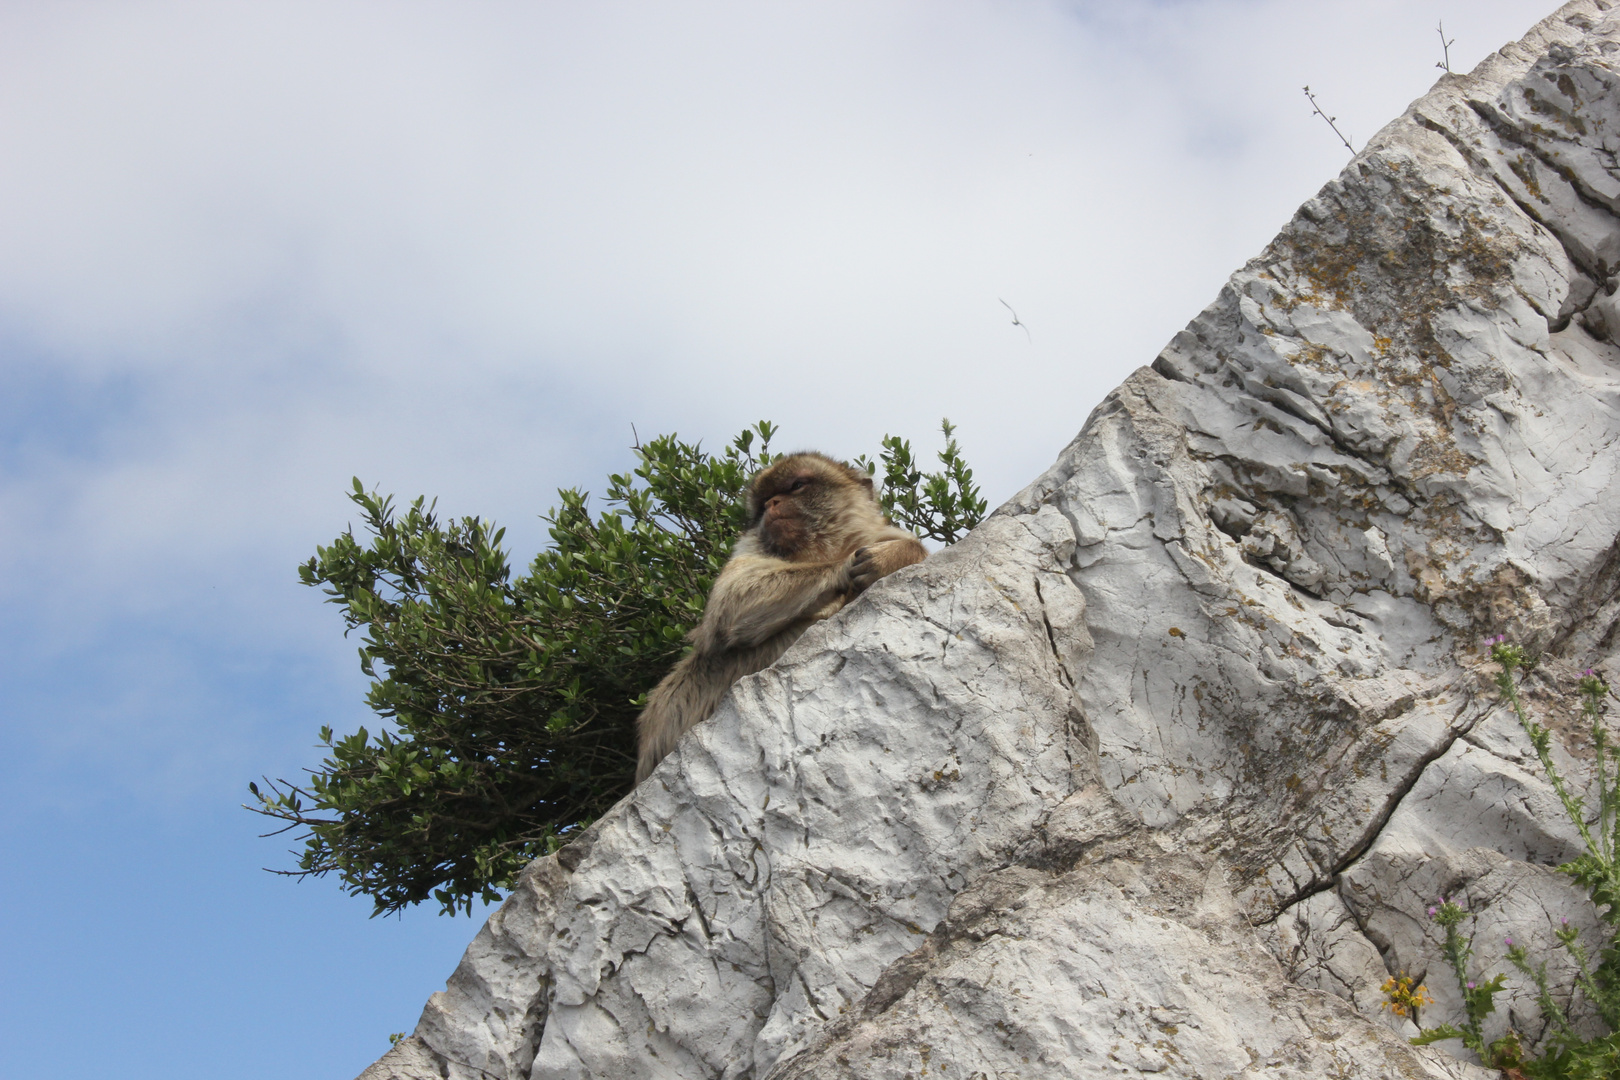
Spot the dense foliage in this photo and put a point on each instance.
(509, 703)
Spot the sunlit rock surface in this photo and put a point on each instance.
(1159, 769)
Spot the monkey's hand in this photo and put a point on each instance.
(880, 559)
(860, 570)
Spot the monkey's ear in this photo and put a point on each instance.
(857, 475)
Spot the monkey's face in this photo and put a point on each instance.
(797, 500)
(788, 512)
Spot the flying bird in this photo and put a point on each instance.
(1016, 323)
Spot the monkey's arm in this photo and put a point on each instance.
(882, 557)
(756, 597)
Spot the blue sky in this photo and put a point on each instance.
(248, 251)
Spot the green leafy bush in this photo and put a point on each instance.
(939, 506)
(509, 702)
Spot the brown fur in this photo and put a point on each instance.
(816, 539)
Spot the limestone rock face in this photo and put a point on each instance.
(1159, 769)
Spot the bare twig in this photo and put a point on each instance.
(1317, 109)
(1445, 46)
(1015, 321)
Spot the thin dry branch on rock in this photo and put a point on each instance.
(1317, 109)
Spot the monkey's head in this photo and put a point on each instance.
(803, 506)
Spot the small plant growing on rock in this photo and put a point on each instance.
(1404, 999)
(1479, 995)
(1597, 980)
(1316, 110)
(1445, 47)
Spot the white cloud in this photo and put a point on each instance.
(247, 250)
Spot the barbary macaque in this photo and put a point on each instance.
(816, 538)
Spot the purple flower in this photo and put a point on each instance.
(1510, 941)
(1470, 986)
(1566, 922)
(1431, 912)
(1587, 673)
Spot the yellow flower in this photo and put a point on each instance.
(1403, 998)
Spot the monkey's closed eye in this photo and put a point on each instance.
(801, 482)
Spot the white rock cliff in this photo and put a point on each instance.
(1159, 769)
